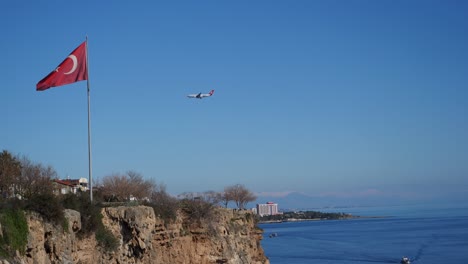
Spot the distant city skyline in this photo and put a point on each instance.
(340, 101)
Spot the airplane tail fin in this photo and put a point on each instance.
(211, 92)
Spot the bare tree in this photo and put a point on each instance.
(122, 187)
(10, 169)
(225, 197)
(211, 197)
(35, 179)
(114, 187)
(140, 188)
(240, 195)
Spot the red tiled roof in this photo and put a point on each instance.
(65, 182)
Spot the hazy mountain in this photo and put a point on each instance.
(400, 195)
(300, 201)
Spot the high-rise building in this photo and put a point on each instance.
(269, 208)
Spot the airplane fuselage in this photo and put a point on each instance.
(201, 95)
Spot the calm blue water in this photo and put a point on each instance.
(422, 233)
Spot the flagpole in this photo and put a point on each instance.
(90, 171)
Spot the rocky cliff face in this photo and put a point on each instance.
(229, 237)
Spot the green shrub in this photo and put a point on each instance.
(71, 201)
(65, 225)
(164, 205)
(15, 231)
(165, 208)
(106, 239)
(48, 206)
(197, 210)
(91, 218)
(248, 217)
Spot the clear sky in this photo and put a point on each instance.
(321, 97)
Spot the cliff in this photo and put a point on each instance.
(229, 237)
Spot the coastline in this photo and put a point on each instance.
(318, 219)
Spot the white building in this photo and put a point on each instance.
(269, 208)
(71, 185)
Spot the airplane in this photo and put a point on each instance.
(201, 95)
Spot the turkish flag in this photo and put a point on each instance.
(72, 69)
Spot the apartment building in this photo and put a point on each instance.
(269, 208)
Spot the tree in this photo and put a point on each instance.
(34, 179)
(164, 205)
(225, 197)
(199, 206)
(211, 197)
(240, 195)
(140, 188)
(10, 169)
(122, 187)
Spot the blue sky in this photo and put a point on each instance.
(339, 98)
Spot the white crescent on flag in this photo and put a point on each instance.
(75, 64)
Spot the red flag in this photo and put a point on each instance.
(72, 69)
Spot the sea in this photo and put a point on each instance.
(426, 234)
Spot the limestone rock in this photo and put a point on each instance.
(228, 237)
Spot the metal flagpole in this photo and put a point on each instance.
(89, 131)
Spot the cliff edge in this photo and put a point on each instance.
(229, 236)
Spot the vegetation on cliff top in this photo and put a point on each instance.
(29, 186)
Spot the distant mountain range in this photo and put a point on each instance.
(301, 201)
